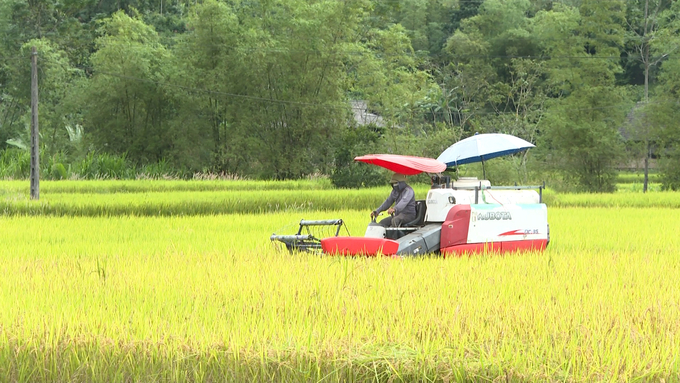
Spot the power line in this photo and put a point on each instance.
(328, 106)
(379, 53)
(235, 95)
(288, 102)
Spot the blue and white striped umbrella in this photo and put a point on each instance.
(482, 147)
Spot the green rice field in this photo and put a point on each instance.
(176, 281)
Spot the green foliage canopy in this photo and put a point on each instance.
(264, 88)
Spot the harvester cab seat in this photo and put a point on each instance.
(409, 227)
(421, 208)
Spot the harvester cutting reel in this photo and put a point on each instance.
(309, 235)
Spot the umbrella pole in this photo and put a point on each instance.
(483, 169)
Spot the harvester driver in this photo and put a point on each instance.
(404, 200)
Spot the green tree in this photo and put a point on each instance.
(662, 112)
(481, 51)
(299, 63)
(126, 105)
(60, 22)
(488, 89)
(390, 78)
(502, 29)
(519, 106)
(581, 134)
(357, 141)
(428, 23)
(8, 108)
(645, 47)
(208, 60)
(277, 76)
(55, 80)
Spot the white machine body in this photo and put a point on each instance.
(501, 223)
(375, 231)
(440, 201)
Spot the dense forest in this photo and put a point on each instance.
(271, 88)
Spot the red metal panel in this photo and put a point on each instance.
(359, 246)
(498, 247)
(524, 245)
(408, 165)
(455, 228)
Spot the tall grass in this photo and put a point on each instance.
(615, 200)
(638, 178)
(15, 163)
(148, 185)
(168, 198)
(189, 203)
(639, 187)
(204, 197)
(210, 299)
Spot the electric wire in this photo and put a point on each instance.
(308, 104)
(329, 106)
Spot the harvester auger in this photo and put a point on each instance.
(309, 235)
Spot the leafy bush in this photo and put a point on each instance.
(113, 166)
(86, 167)
(103, 166)
(58, 171)
(670, 171)
(15, 164)
(357, 141)
(52, 167)
(159, 170)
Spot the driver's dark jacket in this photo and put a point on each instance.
(405, 199)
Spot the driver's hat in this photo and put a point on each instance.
(396, 177)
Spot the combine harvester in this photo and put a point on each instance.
(459, 217)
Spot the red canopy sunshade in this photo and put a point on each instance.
(407, 165)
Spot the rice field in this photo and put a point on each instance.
(141, 186)
(206, 297)
(171, 198)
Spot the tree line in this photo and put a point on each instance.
(265, 88)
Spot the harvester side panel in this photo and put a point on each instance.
(505, 223)
(440, 201)
(456, 226)
(495, 228)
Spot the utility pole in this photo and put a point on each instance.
(35, 148)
